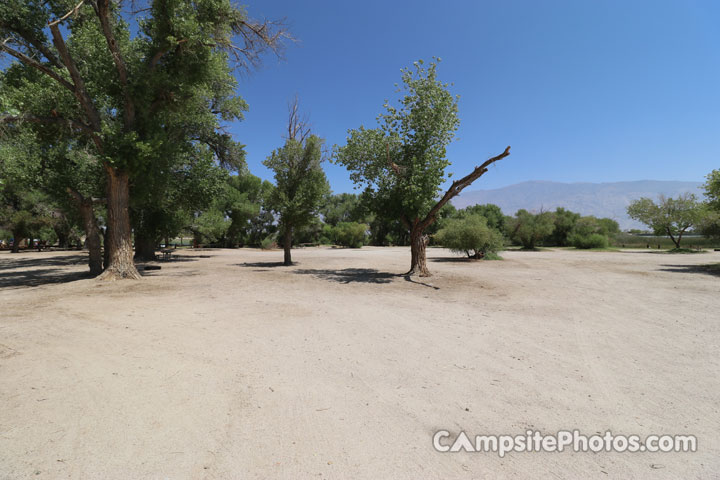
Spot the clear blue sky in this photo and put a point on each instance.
(583, 90)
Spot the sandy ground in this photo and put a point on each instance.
(224, 365)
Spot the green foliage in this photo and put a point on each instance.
(471, 235)
(492, 213)
(592, 240)
(210, 226)
(300, 182)
(529, 229)
(402, 162)
(710, 223)
(343, 207)
(591, 232)
(564, 221)
(268, 243)
(670, 216)
(349, 234)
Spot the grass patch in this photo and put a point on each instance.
(492, 256)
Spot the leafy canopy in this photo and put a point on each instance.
(402, 162)
(470, 235)
(300, 182)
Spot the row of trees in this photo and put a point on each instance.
(125, 111)
(119, 120)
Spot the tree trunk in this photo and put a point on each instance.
(676, 242)
(119, 237)
(144, 248)
(92, 236)
(418, 245)
(106, 250)
(16, 244)
(287, 245)
(62, 238)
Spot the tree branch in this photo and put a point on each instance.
(103, 13)
(55, 120)
(458, 186)
(37, 65)
(80, 91)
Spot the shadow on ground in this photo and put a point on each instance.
(713, 269)
(350, 275)
(10, 263)
(454, 259)
(261, 264)
(37, 277)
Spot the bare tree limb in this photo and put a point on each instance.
(298, 127)
(68, 14)
(458, 186)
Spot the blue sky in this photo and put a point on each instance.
(582, 90)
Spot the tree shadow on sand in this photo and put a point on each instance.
(262, 264)
(10, 263)
(712, 269)
(454, 259)
(350, 275)
(38, 277)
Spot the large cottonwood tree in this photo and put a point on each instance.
(136, 99)
(402, 162)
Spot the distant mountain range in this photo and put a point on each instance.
(599, 199)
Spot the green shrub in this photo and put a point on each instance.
(350, 234)
(470, 235)
(527, 229)
(268, 243)
(592, 240)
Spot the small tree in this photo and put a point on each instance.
(527, 229)
(402, 162)
(564, 223)
(670, 216)
(470, 235)
(300, 185)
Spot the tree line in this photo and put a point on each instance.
(113, 127)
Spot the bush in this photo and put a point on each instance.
(349, 234)
(471, 236)
(592, 240)
(268, 243)
(527, 229)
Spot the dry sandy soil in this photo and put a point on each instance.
(224, 365)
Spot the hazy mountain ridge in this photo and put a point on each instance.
(599, 199)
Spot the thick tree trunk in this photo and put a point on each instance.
(287, 245)
(92, 232)
(16, 244)
(119, 238)
(62, 238)
(92, 237)
(418, 245)
(144, 248)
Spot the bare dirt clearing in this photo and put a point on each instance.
(225, 365)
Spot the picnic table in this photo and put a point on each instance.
(167, 253)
